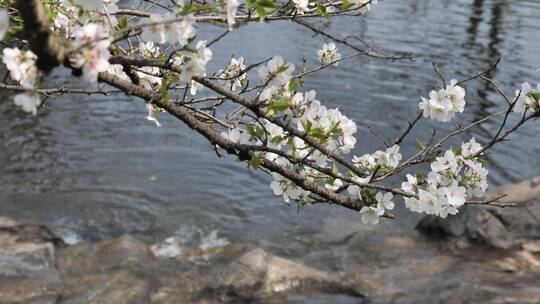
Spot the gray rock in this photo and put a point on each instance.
(259, 274)
(27, 251)
(119, 287)
(124, 251)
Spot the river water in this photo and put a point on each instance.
(93, 168)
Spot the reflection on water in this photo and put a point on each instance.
(93, 168)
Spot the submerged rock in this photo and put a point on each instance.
(27, 251)
(494, 226)
(264, 274)
(37, 268)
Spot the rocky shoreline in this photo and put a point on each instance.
(485, 255)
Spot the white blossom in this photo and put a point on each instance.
(302, 6)
(196, 66)
(413, 204)
(371, 214)
(334, 185)
(93, 55)
(149, 49)
(149, 77)
(229, 11)
(434, 179)
(470, 148)
(233, 72)
(389, 158)
(118, 71)
(65, 15)
(446, 162)
(275, 133)
(365, 162)
(455, 194)
(429, 201)
(194, 87)
(165, 28)
(475, 178)
(410, 185)
(286, 188)
(21, 66)
(319, 158)
(329, 54)
(153, 113)
(385, 200)
(28, 101)
(525, 103)
(443, 105)
(276, 72)
(446, 210)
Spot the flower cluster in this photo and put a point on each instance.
(29, 101)
(528, 99)
(443, 105)
(287, 188)
(21, 66)
(196, 64)
(234, 73)
(228, 11)
(329, 126)
(453, 177)
(302, 6)
(276, 72)
(329, 54)
(388, 159)
(371, 214)
(304, 112)
(92, 43)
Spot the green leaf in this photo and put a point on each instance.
(294, 84)
(261, 12)
(189, 9)
(278, 106)
(308, 126)
(251, 4)
(322, 9)
(255, 131)
(318, 133)
(255, 162)
(534, 95)
(267, 3)
(123, 23)
(420, 145)
(165, 96)
(277, 140)
(346, 4)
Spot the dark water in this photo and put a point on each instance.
(94, 168)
